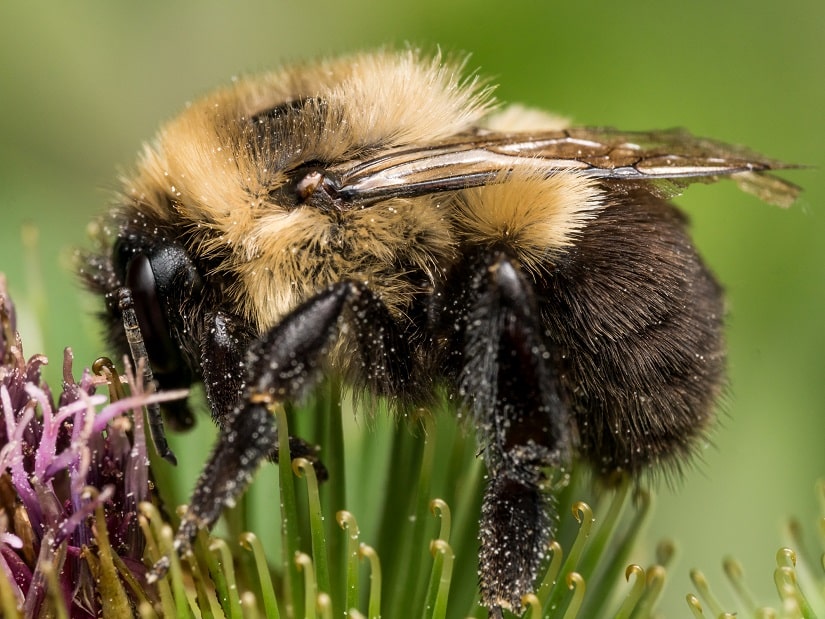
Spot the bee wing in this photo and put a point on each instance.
(660, 161)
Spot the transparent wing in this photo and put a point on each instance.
(658, 159)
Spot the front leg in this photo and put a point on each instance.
(284, 365)
(225, 341)
(224, 347)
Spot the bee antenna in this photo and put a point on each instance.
(137, 347)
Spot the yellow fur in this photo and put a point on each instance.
(534, 214)
(201, 172)
(521, 118)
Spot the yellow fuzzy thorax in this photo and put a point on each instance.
(221, 189)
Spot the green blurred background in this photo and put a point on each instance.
(84, 83)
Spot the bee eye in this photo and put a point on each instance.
(146, 291)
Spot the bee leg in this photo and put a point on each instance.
(283, 365)
(224, 343)
(500, 364)
(223, 359)
(299, 448)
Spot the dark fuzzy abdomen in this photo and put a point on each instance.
(635, 325)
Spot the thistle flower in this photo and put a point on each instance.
(72, 473)
(78, 525)
(78, 528)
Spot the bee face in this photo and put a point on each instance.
(560, 292)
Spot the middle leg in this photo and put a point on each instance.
(498, 362)
(283, 365)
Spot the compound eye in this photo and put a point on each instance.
(140, 279)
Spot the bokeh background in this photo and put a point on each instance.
(82, 84)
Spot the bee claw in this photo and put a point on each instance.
(159, 570)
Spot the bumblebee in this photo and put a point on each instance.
(381, 217)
